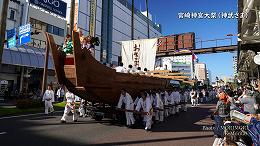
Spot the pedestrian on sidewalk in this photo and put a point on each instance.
(60, 94)
(69, 107)
(48, 98)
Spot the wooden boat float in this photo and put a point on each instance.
(84, 76)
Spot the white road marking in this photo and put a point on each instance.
(2, 133)
(19, 116)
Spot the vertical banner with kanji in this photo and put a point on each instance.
(139, 53)
(92, 18)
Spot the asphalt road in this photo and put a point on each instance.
(188, 129)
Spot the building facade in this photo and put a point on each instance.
(113, 24)
(183, 64)
(201, 72)
(209, 76)
(22, 65)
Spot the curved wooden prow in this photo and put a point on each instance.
(58, 58)
(89, 72)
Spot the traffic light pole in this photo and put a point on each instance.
(3, 26)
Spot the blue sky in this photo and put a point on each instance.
(166, 14)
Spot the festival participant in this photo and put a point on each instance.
(177, 100)
(139, 71)
(193, 97)
(146, 104)
(129, 107)
(146, 71)
(48, 98)
(165, 96)
(120, 68)
(183, 101)
(81, 36)
(88, 44)
(130, 69)
(172, 107)
(82, 108)
(159, 113)
(68, 45)
(69, 107)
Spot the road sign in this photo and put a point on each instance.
(24, 34)
(11, 38)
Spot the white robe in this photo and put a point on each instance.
(159, 114)
(129, 105)
(165, 102)
(146, 105)
(177, 99)
(120, 69)
(48, 98)
(70, 107)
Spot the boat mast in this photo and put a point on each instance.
(147, 13)
(72, 13)
(132, 20)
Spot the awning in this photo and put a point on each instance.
(26, 56)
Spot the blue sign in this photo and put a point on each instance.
(55, 6)
(24, 34)
(11, 38)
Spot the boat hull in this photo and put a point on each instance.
(93, 81)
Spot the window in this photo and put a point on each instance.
(12, 14)
(61, 32)
(46, 27)
(55, 30)
(49, 28)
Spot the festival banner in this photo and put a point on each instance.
(139, 53)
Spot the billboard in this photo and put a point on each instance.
(176, 42)
(11, 38)
(55, 6)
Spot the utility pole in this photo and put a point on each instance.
(4, 6)
(147, 13)
(132, 20)
(72, 13)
